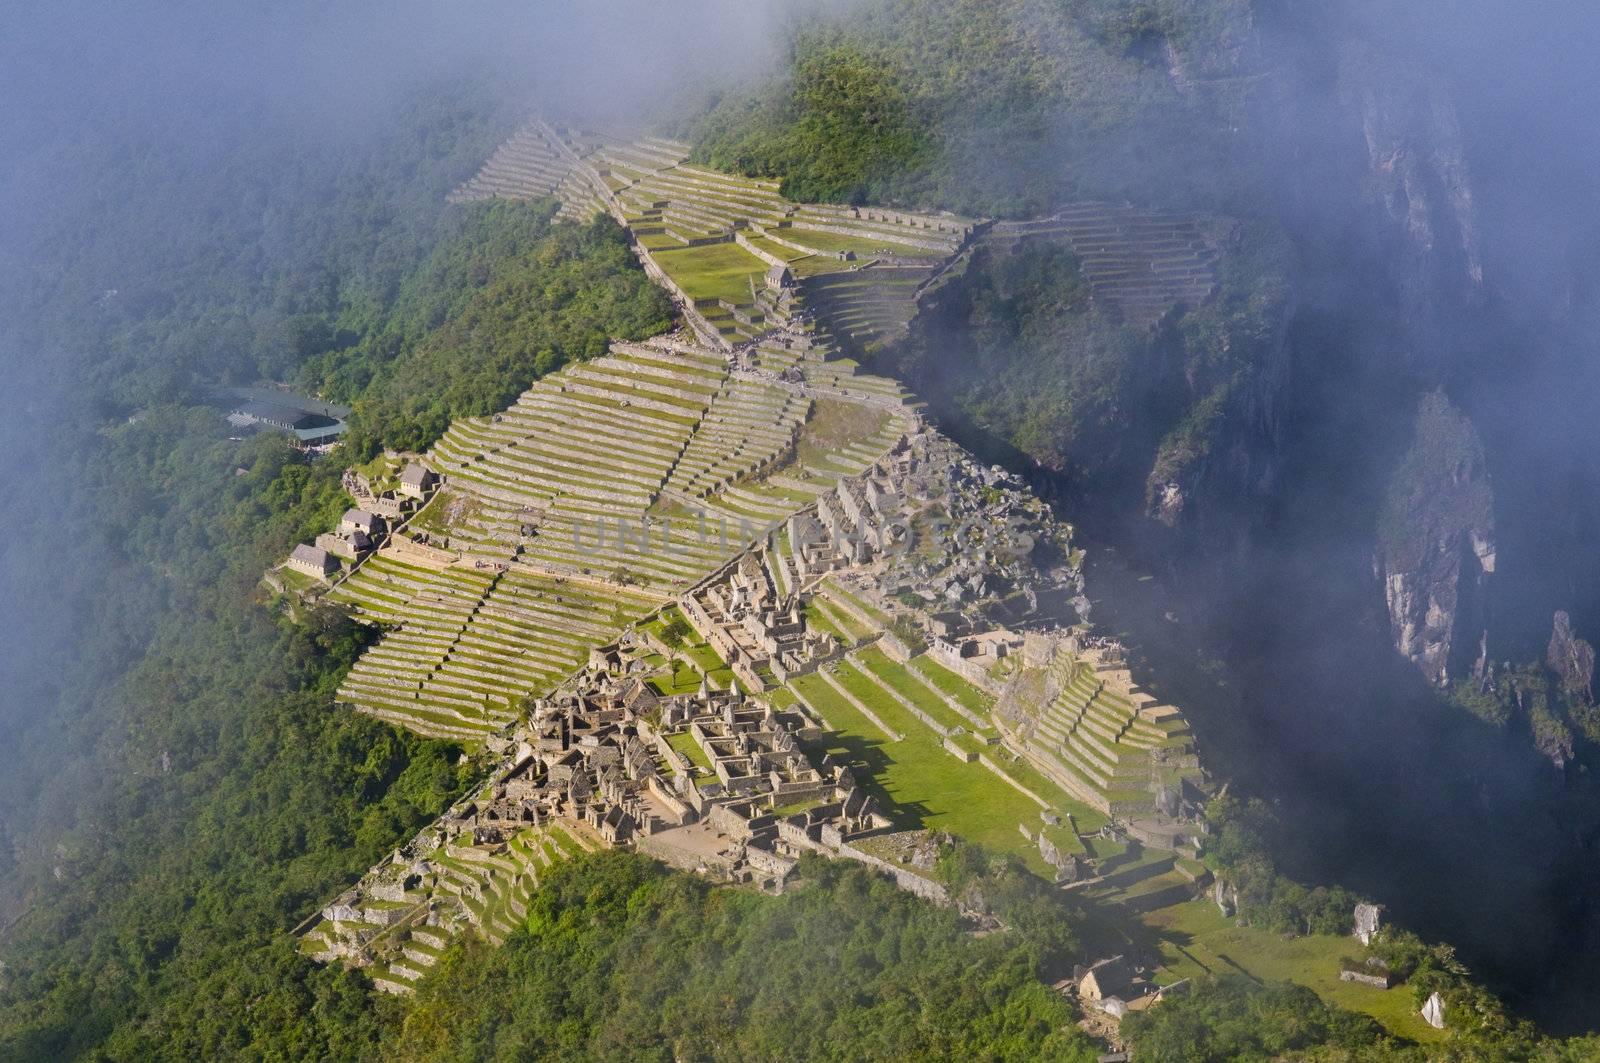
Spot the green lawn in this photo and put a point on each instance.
(684, 680)
(819, 265)
(1088, 819)
(882, 705)
(684, 745)
(1197, 938)
(296, 582)
(659, 242)
(894, 675)
(817, 621)
(772, 247)
(917, 783)
(836, 621)
(832, 589)
(895, 715)
(863, 246)
(714, 271)
(964, 692)
(668, 615)
(708, 662)
(792, 807)
(704, 658)
(381, 472)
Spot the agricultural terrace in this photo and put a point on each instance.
(606, 489)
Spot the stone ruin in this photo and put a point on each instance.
(967, 543)
(720, 781)
(716, 782)
(1075, 712)
(1069, 867)
(1226, 897)
(757, 631)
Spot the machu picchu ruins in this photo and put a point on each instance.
(882, 530)
(659, 587)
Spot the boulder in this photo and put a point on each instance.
(1433, 1011)
(1226, 897)
(1368, 917)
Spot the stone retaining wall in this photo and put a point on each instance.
(925, 888)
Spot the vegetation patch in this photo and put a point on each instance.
(623, 959)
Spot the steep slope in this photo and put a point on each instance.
(1436, 546)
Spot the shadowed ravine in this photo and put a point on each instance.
(1464, 832)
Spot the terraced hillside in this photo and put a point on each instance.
(1085, 723)
(1139, 264)
(613, 486)
(859, 269)
(527, 166)
(715, 238)
(401, 918)
(613, 495)
(869, 307)
(604, 491)
(465, 646)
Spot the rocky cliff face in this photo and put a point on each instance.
(1212, 471)
(1572, 660)
(1381, 188)
(1436, 545)
(1415, 161)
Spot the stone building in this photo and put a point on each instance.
(360, 520)
(417, 480)
(779, 277)
(351, 545)
(695, 779)
(313, 561)
(763, 637)
(1111, 977)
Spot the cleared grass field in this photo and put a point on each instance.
(964, 692)
(863, 246)
(684, 745)
(701, 658)
(1196, 939)
(684, 679)
(895, 676)
(875, 616)
(918, 783)
(835, 621)
(856, 681)
(714, 271)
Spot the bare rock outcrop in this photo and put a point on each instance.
(1572, 660)
(1436, 544)
(1417, 179)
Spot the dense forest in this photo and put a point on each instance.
(621, 958)
(1013, 109)
(1017, 356)
(504, 298)
(998, 109)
